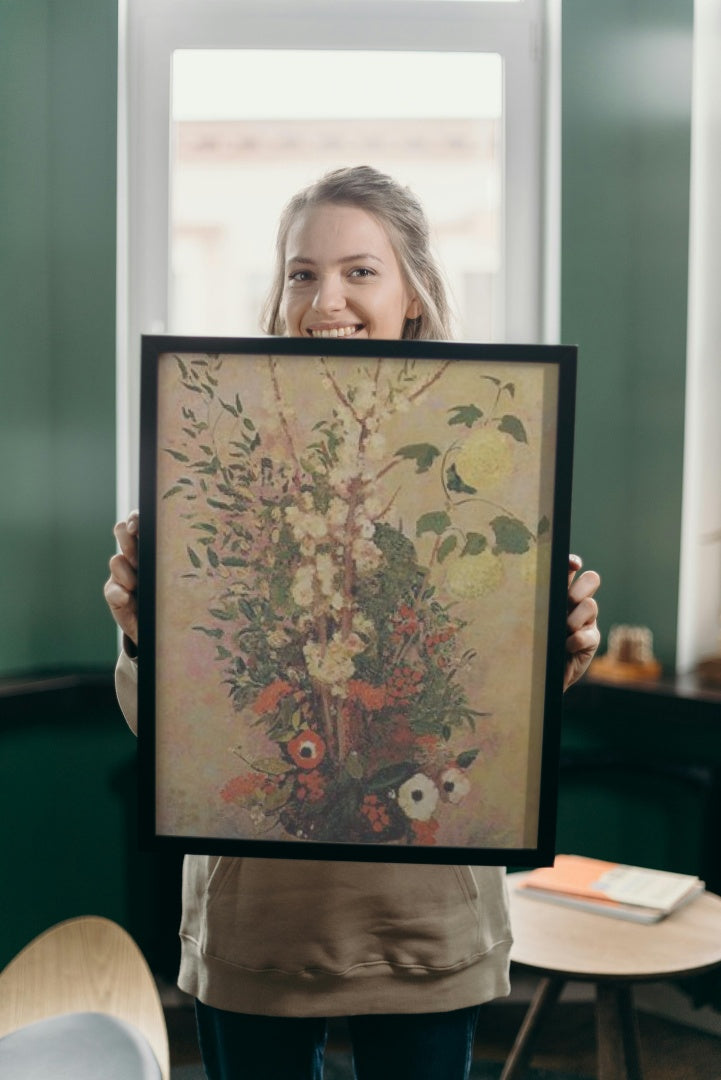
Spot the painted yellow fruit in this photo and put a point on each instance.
(471, 576)
(486, 459)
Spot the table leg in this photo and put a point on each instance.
(617, 1033)
(545, 997)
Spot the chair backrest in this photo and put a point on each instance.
(87, 964)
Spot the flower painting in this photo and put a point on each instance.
(351, 590)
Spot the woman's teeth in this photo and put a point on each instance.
(337, 331)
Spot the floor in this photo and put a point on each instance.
(669, 1050)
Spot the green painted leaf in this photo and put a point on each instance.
(228, 408)
(172, 491)
(510, 387)
(212, 557)
(512, 426)
(354, 765)
(392, 776)
(424, 454)
(213, 631)
(475, 544)
(271, 766)
(176, 454)
(437, 521)
(466, 758)
(512, 536)
(454, 482)
(194, 558)
(465, 414)
(448, 545)
(183, 368)
(221, 613)
(544, 526)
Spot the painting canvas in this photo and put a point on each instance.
(353, 566)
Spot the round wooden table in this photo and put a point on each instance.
(563, 944)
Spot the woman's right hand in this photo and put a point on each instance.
(121, 587)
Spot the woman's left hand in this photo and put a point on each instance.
(582, 634)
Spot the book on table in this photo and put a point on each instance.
(609, 888)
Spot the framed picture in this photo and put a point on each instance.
(352, 596)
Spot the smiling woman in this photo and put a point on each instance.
(353, 259)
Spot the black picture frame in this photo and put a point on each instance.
(353, 568)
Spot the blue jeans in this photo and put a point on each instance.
(414, 1046)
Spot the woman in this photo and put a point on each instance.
(271, 948)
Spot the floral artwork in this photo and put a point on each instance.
(351, 588)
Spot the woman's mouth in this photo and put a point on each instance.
(335, 331)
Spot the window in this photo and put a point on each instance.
(227, 107)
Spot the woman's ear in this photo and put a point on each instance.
(415, 309)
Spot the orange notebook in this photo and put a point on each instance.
(631, 892)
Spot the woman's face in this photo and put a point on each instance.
(342, 277)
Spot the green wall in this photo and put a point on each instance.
(625, 200)
(58, 72)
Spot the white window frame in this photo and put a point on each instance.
(526, 34)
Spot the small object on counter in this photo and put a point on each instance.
(629, 657)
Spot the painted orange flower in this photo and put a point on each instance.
(371, 697)
(424, 832)
(240, 786)
(267, 700)
(307, 749)
(310, 787)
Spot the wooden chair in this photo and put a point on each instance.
(77, 976)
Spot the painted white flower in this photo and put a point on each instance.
(367, 556)
(366, 527)
(302, 587)
(455, 785)
(363, 625)
(331, 664)
(337, 513)
(376, 447)
(325, 573)
(417, 797)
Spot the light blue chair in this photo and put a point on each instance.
(80, 1003)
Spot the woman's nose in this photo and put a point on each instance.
(329, 296)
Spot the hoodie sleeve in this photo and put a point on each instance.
(126, 688)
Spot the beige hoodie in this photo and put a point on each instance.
(297, 937)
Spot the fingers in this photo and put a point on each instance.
(583, 587)
(123, 607)
(126, 534)
(575, 562)
(583, 636)
(121, 587)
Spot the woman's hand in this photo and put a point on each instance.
(121, 587)
(582, 634)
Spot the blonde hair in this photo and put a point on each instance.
(403, 217)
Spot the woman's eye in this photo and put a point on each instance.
(300, 276)
(362, 272)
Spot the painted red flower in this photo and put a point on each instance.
(267, 700)
(371, 697)
(240, 786)
(376, 812)
(307, 749)
(425, 831)
(310, 787)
